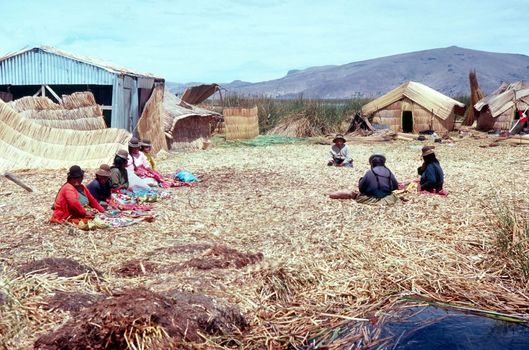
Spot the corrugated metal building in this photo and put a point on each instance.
(46, 70)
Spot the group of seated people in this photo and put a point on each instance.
(378, 183)
(76, 202)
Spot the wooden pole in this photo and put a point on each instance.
(19, 182)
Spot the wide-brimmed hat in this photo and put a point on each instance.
(377, 156)
(104, 170)
(122, 154)
(339, 137)
(427, 150)
(75, 172)
(145, 143)
(134, 143)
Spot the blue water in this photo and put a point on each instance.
(435, 329)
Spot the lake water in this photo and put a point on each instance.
(436, 328)
(433, 328)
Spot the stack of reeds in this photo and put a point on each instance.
(475, 96)
(78, 111)
(150, 125)
(295, 126)
(25, 144)
(78, 100)
(37, 103)
(241, 123)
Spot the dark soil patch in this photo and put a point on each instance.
(222, 257)
(72, 302)
(63, 267)
(133, 314)
(185, 248)
(135, 268)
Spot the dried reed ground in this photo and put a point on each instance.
(324, 260)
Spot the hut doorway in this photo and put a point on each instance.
(407, 121)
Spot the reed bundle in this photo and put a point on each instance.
(241, 123)
(25, 144)
(151, 123)
(78, 100)
(37, 103)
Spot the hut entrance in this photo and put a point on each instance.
(407, 121)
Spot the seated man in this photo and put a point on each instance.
(340, 153)
(101, 186)
(376, 186)
(432, 175)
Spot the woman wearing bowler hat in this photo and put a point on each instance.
(74, 200)
(340, 153)
(101, 186)
(432, 175)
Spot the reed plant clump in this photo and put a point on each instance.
(512, 238)
(299, 117)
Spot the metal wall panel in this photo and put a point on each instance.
(37, 67)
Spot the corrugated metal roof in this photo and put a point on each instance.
(48, 65)
(503, 98)
(428, 98)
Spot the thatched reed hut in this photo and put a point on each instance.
(187, 126)
(498, 110)
(414, 107)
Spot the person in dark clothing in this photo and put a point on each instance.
(118, 171)
(432, 175)
(379, 181)
(376, 186)
(101, 186)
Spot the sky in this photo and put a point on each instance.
(251, 40)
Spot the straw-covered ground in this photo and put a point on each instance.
(260, 234)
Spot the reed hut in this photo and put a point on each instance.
(413, 107)
(187, 127)
(498, 110)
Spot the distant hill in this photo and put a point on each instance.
(444, 69)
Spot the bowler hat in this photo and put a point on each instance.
(146, 143)
(75, 172)
(104, 170)
(377, 156)
(122, 154)
(134, 143)
(338, 137)
(427, 150)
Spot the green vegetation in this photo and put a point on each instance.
(323, 115)
(512, 237)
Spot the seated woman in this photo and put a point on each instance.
(101, 186)
(340, 153)
(432, 175)
(140, 166)
(119, 178)
(376, 186)
(73, 199)
(146, 148)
